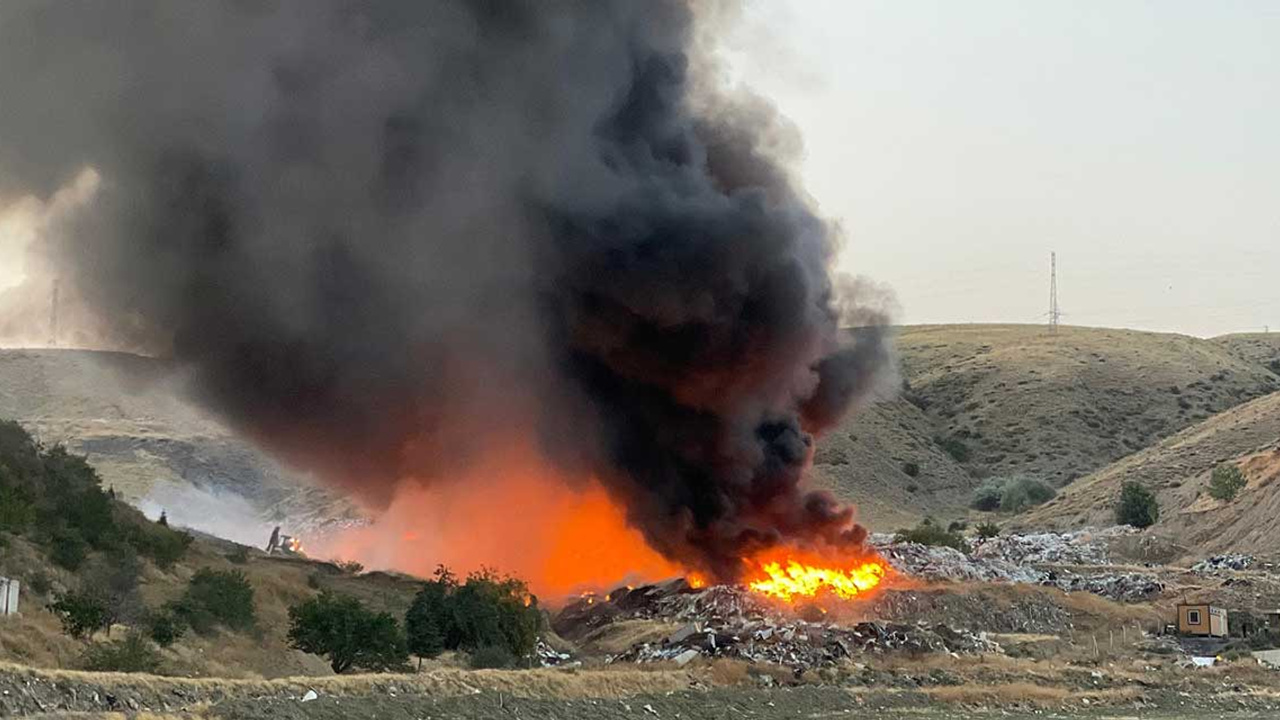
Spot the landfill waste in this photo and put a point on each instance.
(1218, 563)
(1080, 547)
(548, 656)
(730, 621)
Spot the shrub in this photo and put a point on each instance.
(350, 567)
(67, 549)
(930, 533)
(39, 582)
(81, 613)
(987, 497)
(16, 510)
(165, 628)
(350, 635)
(954, 447)
(132, 654)
(1226, 482)
(216, 597)
(1137, 506)
(1022, 493)
(161, 543)
(911, 469)
(492, 657)
(988, 530)
(239, 556)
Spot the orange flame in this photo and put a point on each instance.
(799, 577)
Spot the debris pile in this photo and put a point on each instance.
(1121, 587)
(932, 562)
(1218, 563)
(1081, 547)
(731, 621)
(549, 656)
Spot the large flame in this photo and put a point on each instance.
(514, 514)
(800, 576)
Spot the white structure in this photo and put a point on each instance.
(8, 596)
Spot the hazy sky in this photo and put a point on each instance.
(960, 142)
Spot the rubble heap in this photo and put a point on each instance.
(1218, 563)
(1081, 547)
(730, 621)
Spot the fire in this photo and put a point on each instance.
(512, 513)
(792, 577)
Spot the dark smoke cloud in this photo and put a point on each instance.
(387, 237)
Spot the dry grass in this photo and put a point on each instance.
(1023, 693)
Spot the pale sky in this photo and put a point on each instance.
(958, 143)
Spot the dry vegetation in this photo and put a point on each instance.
(1015, 400)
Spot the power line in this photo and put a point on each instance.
(1054, 313)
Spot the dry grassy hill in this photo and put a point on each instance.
(1178, 470)
(128, 415)
(1007, 400)
(1257, 348)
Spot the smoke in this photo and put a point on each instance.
(388, 238)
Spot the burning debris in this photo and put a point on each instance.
(739, 622)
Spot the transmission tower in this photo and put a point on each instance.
(53, 317)
(1054, 312)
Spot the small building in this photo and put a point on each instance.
(1202, 619)
(8, 596)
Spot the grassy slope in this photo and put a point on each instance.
(1025, 402)
(35, 638)
(1178, 470)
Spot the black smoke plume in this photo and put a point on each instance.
(386, 237)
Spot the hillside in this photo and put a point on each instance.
(127, 414)
(1178, 470)
(1257, 348)
(1010, 400)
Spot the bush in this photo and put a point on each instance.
(1011, 495)
(988, 530)
(16, 510)
(132, 654)
(955, 448)
(350, 635)
(165, 628)
(1022, 493)
(1227, 482)
(486, 611)
(350, 567)
(911, 469)
(67, 549)
(930, 533)
(39, 582)
(1137, 506)
(987, 497)
(492, 657)
(82, 613)
(239, 556)
(216, 597)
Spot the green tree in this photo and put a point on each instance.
(429, 624)
(987, 496)
(491, 610)
(1137, 506)
(82, 613)
(216, 597)
(1226, 482)
(342, 629)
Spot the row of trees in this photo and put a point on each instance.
(492, 617)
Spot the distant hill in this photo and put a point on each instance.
(1177, 469)
(985, 401)
(1257, 348)
(128, 415)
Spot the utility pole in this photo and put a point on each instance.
(53, 317)
(1054, 313)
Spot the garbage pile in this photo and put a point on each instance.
(1121, 587)
(1218, 563)
(1081, 547)
(932, 562)
(548, 656)
(730, 621)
